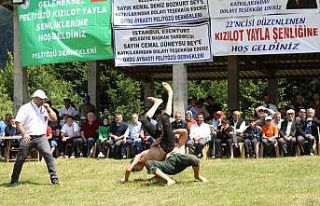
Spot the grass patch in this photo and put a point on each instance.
(283, 181)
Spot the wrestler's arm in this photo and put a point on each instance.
(129, 168)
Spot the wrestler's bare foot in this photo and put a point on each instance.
(167, 87)
(123, 180)
(201, 179)
(171, 182)
(155, 100)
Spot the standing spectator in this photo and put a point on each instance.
(192, 106)
(199, 135)
(212, 106)
(266, 102)
(55, 111)
(299, 103)
(270, 134)
(202, 109)
(104, 138)
(315, 104)
(252, 135)
(178, 122)
(288, 134)
(89, 133)
(117, 130)
(86, 107)
(32, 122)
(132, 136)
(67, 110)
(226, 135)
(70, 133)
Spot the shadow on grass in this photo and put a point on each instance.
(22, 183)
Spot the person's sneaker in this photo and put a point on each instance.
(101, 155)
(14, 183)
(55, 181)
(81, 155)
(124, 157)
(311, 153)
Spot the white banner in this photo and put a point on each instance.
(155, 12)
(236, 8)
(166, 45)
(276, 34)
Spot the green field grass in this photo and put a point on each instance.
(283, 181)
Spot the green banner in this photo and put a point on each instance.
(56, 31)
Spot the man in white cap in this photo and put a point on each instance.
(288, 134)
(32, 122)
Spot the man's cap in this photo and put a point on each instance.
(290, 111)
(40, 94)
(268, 118)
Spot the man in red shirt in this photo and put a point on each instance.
(89, 132)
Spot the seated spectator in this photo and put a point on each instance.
(225, 135)
(239, 126)
(199, 136)
(288, 134)
(89, 133)
(178, 122)
(252, 135)
(67, 110)
(49, 137)
(266, 102)
(104, 138)
(117, 130)
(11, 130)
(270, 134)
(190, 121)
(70, 133)
(132, 136)
(214, 123)
(86, 107)
(55, 140)
(307, 129)
(277, 119)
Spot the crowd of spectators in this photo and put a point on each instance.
(292, 130)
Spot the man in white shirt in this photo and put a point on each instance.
(199, 135)
(70, 132)
(32, 122)
(67, 110)
(132, 136)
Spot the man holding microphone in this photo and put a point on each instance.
(32, 121)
